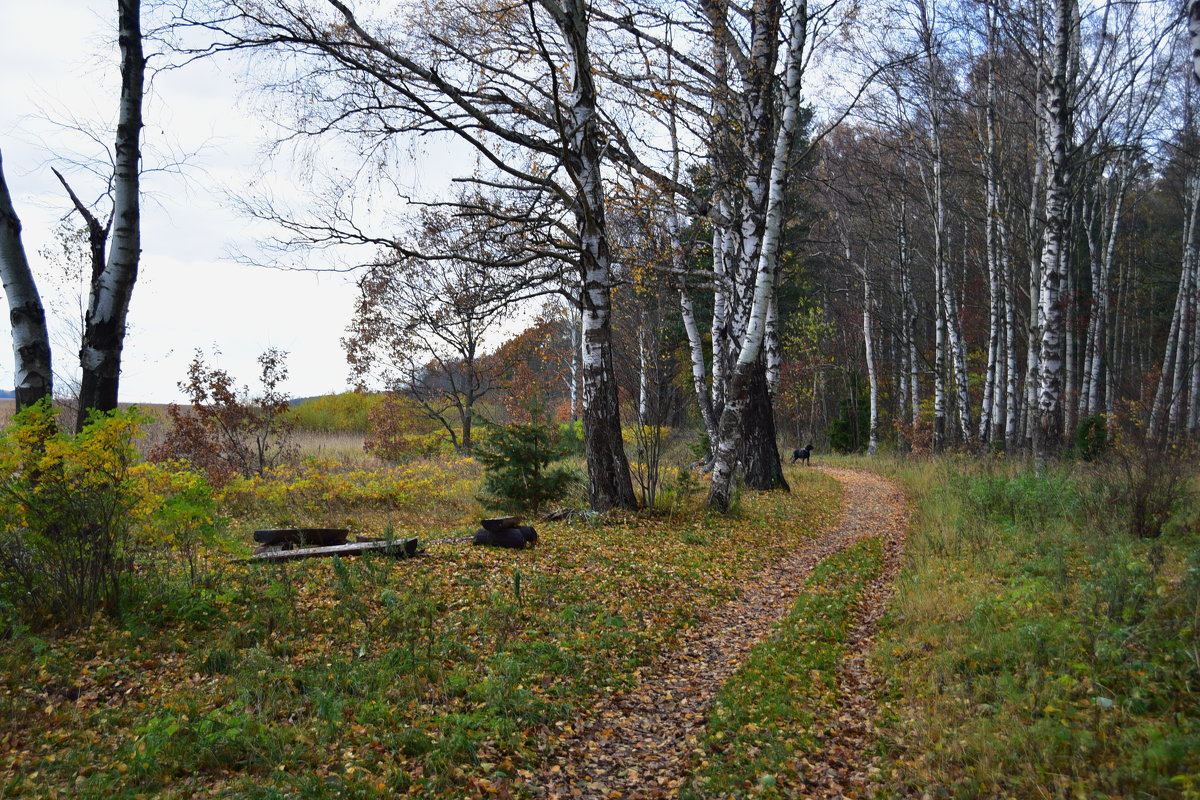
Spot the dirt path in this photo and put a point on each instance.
(637, 745)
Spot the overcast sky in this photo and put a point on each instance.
(58, 59)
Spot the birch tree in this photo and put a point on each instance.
(112, 287)
(34, 378)
(765, 275)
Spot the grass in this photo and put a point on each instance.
(1033, 652)
(435, 677)
(772, 713)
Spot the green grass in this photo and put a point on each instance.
(374, 678)
(1033, 652)
(773, 712)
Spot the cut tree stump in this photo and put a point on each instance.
(403, 548)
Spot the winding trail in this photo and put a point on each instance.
(637, 745)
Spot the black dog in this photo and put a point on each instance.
(802, 454)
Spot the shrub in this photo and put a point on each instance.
(1091, 437)
(1142, 482)
(398, 431)
(227, 432)
(318, 492)
(78, 511)
(517, 461)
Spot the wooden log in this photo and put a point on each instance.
(403, 548)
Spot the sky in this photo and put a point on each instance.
(58, 60)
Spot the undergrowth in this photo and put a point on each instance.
(774, 711)
(446, 676)
(1035, 651)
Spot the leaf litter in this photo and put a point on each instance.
(640, 743)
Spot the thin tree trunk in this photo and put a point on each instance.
(108, 304)
(33, 377)
(1054, 256)
(958, 350)
(873, 381)
(1164, 397)
(696, 351)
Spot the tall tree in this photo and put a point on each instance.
(749, 368)
(112, 287)
(518, 88)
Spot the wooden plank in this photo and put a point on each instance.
(397, 547)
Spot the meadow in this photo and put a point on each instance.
(1034, 646)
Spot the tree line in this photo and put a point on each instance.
(986, 208)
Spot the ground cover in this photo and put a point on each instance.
(1034, 647)
(766, 731)
(446, 676)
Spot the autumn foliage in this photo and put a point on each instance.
(226, 431)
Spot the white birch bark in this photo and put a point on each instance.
(112, 289)
(609, 481)
(1164, 396)
(33, 377)
(643, 378)
(990, 408)
(696, 352)
(1193, 14)
(724, 460)
(872, 378)
(1012, 398)
(575, 326)
(1053, 261)
(910, 322)
(774, 349)
(958, 351)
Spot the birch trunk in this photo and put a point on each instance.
(1164, 397)
(574, 325)
(696, 351)
(958, 350)
(1012, 398)
(33, 377)
(910, 322)
(773, 345)
(1050, 356)
(872, 379)
(111, 290)
(609, 482)
(1193, 14)
(764, 287)
(991, 407)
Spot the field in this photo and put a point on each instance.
(1031, 645)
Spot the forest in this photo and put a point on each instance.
(842, 360)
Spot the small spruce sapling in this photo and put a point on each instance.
(519, 465)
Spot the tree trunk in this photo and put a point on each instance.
(869, 346)
(761, 466)
(728, 444)
(609, 482)
(1054, 242)
(696, 351)
(108, 304)
(33, 377)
